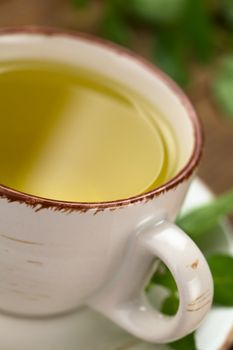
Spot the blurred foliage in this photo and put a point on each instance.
(169, 55)
(80, 3)
(198, 30)
(202, 220)
(221, 267)
(170, 305)
(226, 9)
(156, 12)
(114, 27)
(183, 32)
(223, 85)
(186, 343)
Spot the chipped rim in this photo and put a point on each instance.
(36, 201)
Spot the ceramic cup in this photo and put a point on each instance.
(56, 256)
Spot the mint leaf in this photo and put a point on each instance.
(187, 343)
(80, 3)
(164, 278)
(221, 267)
(205, 218)
(170, 305)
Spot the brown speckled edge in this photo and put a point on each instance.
(43, 203)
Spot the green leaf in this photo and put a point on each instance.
(198, 29)
(156, 11)
(222, 270)
(205, 218)
(114, 28)
(223, 85)
(187, 343)
(168, 54)
(170, 305)
(164, 278)
(80, 3)
(207, 242)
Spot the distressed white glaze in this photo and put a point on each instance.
(55, 261)
(87, 330)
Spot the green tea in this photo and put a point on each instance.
(73, 135)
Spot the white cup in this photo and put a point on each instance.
(56, 256)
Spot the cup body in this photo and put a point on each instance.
(56, 255)
(52, 261)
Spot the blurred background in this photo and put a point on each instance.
(191, 40)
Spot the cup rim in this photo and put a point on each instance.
(184, 174)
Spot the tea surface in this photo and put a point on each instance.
(73, 135)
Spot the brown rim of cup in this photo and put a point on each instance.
(41, 203)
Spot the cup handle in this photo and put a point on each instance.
(123, 299)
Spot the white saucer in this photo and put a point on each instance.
(87, 330)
